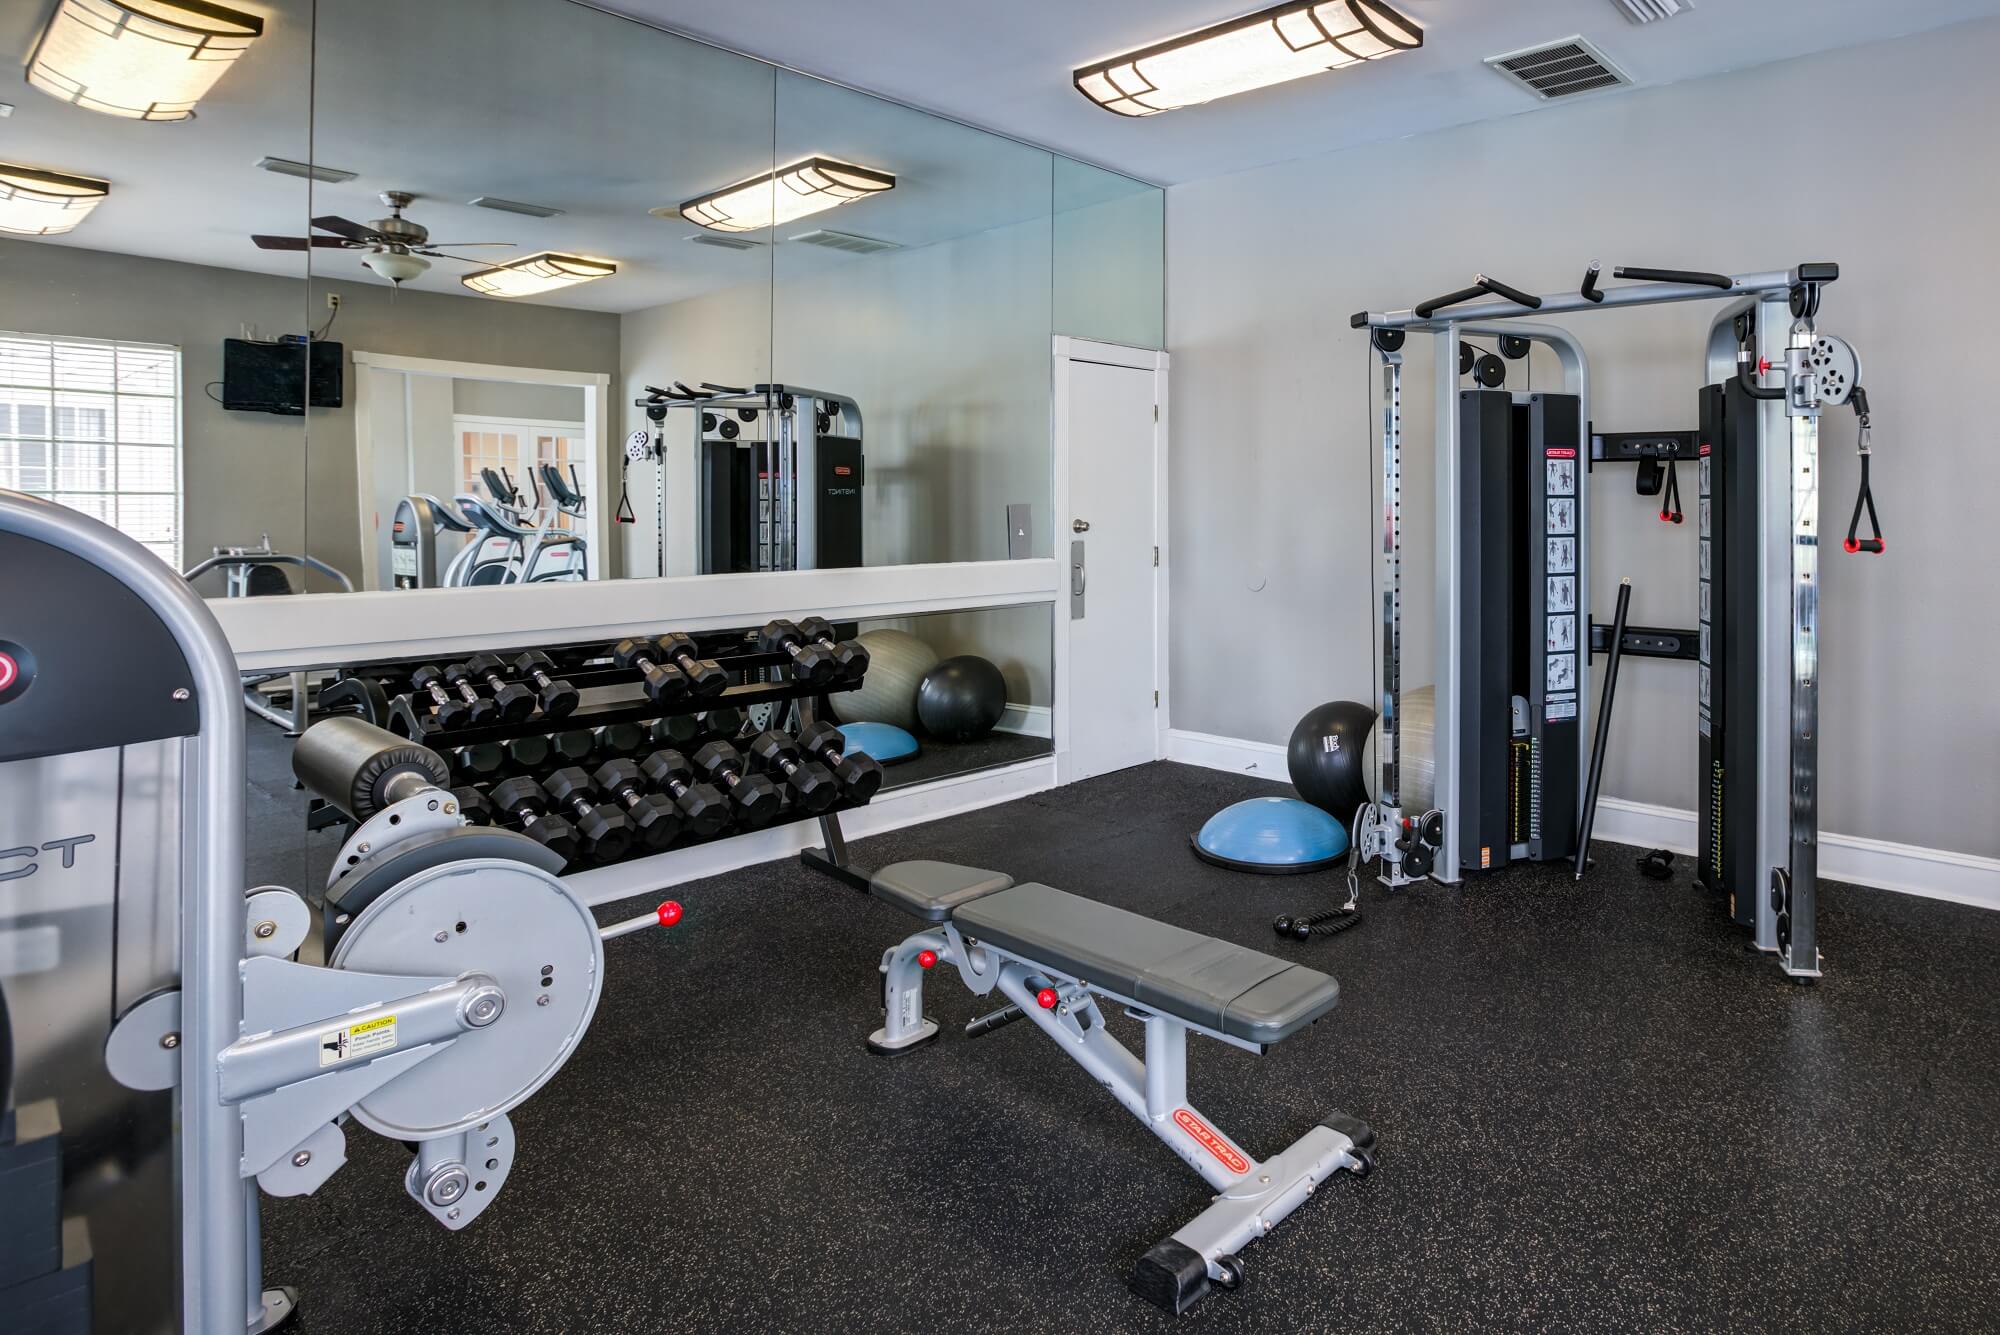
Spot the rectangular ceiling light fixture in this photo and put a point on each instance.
(781, 196)
(514, 206)
(43, 203)
(1256, 51)
(310, 171)
(535, 274)
(149, 60)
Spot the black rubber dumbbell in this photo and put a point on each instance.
(481, 712)
(705, 675)
(516, 701)
(653, 815)
(473, 806)
(679, 729)
(813, 788)
(860, 775)
(810, 663)
(704, 809)
(755, 798)
(725, 724)
(558, 697)
(606, 836)
(527, 753)
(572, 747)
(664, 682)
(850, 657)
(618, 739)
(485, 759)
(446, 711)
(525, 801)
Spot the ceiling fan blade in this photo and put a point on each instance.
(346, 227)
(281, 242)
(439, 254)
(470, 245)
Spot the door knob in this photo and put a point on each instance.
(1079, 526)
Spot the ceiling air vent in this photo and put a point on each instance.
(1559, 69)
(1646, 11)
(847, 241)
(724, 241)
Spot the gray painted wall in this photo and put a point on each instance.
(245, 473)
(1273, 520)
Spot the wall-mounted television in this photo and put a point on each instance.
(271, 377)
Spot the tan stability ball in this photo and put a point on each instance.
(897, 662)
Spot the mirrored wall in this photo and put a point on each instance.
(529, 293)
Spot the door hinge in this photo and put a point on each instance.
(1156, 558)
(1156, 412)
(1156, 699)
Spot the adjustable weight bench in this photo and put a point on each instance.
(1052, 954)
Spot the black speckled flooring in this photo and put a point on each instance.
(1597, 1112)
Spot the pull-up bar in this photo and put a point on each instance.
(1652, 287)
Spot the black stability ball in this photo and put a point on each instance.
(961, 698)
(1324, 757)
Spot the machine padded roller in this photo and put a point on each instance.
(354, 765)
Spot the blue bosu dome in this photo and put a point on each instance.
(1272, 835)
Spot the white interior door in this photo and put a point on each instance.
(1109, 537)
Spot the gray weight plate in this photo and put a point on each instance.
(503, 918)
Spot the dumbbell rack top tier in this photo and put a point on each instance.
(407, 718)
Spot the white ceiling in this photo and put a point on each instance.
(1004, 64)
(533, 100)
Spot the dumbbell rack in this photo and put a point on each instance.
(364, 691)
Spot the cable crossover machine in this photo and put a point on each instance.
(1514, 635)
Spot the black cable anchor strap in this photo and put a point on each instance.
(1864, 499)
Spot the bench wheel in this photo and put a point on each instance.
(1366, 1164)
(1231, 1266)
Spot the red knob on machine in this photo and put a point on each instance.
(669, 913)
(1047, 998)
(926, 958)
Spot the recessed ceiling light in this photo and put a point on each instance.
(6, 110)
(311, 171)
(781, 196)
(141, 59)
(1272, 46)
(533, 275)
(515, 206)
(34, 202)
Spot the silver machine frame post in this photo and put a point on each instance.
(1788, 468)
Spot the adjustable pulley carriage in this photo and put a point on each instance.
(461, 972)
(1514, 635)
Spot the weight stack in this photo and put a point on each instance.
(45, 1264)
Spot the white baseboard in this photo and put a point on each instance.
(1027, 720)
(1933, 873)
(892, 809)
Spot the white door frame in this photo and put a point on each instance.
(596, 387)
(1067, 350)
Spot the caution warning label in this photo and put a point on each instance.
(365, 1039)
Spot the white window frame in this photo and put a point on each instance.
(112, 397)
(526, 427)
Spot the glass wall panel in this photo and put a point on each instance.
(1110, 256)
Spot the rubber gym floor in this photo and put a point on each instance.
(1597, 1112)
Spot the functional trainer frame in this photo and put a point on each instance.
(1766, 329)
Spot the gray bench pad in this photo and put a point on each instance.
(931, 890)
(1238, 991)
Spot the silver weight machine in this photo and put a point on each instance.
(1769, 375)
(777, 475)
(155, 1000)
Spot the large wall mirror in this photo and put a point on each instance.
(529, 293)
(151, 354)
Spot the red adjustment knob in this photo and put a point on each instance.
(926, 959)
(1047, 998)
(1763, 365)
(669, 913)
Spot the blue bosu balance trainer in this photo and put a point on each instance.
(885, 742)
(1273, 835)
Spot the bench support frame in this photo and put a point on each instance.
(1252, 1196)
